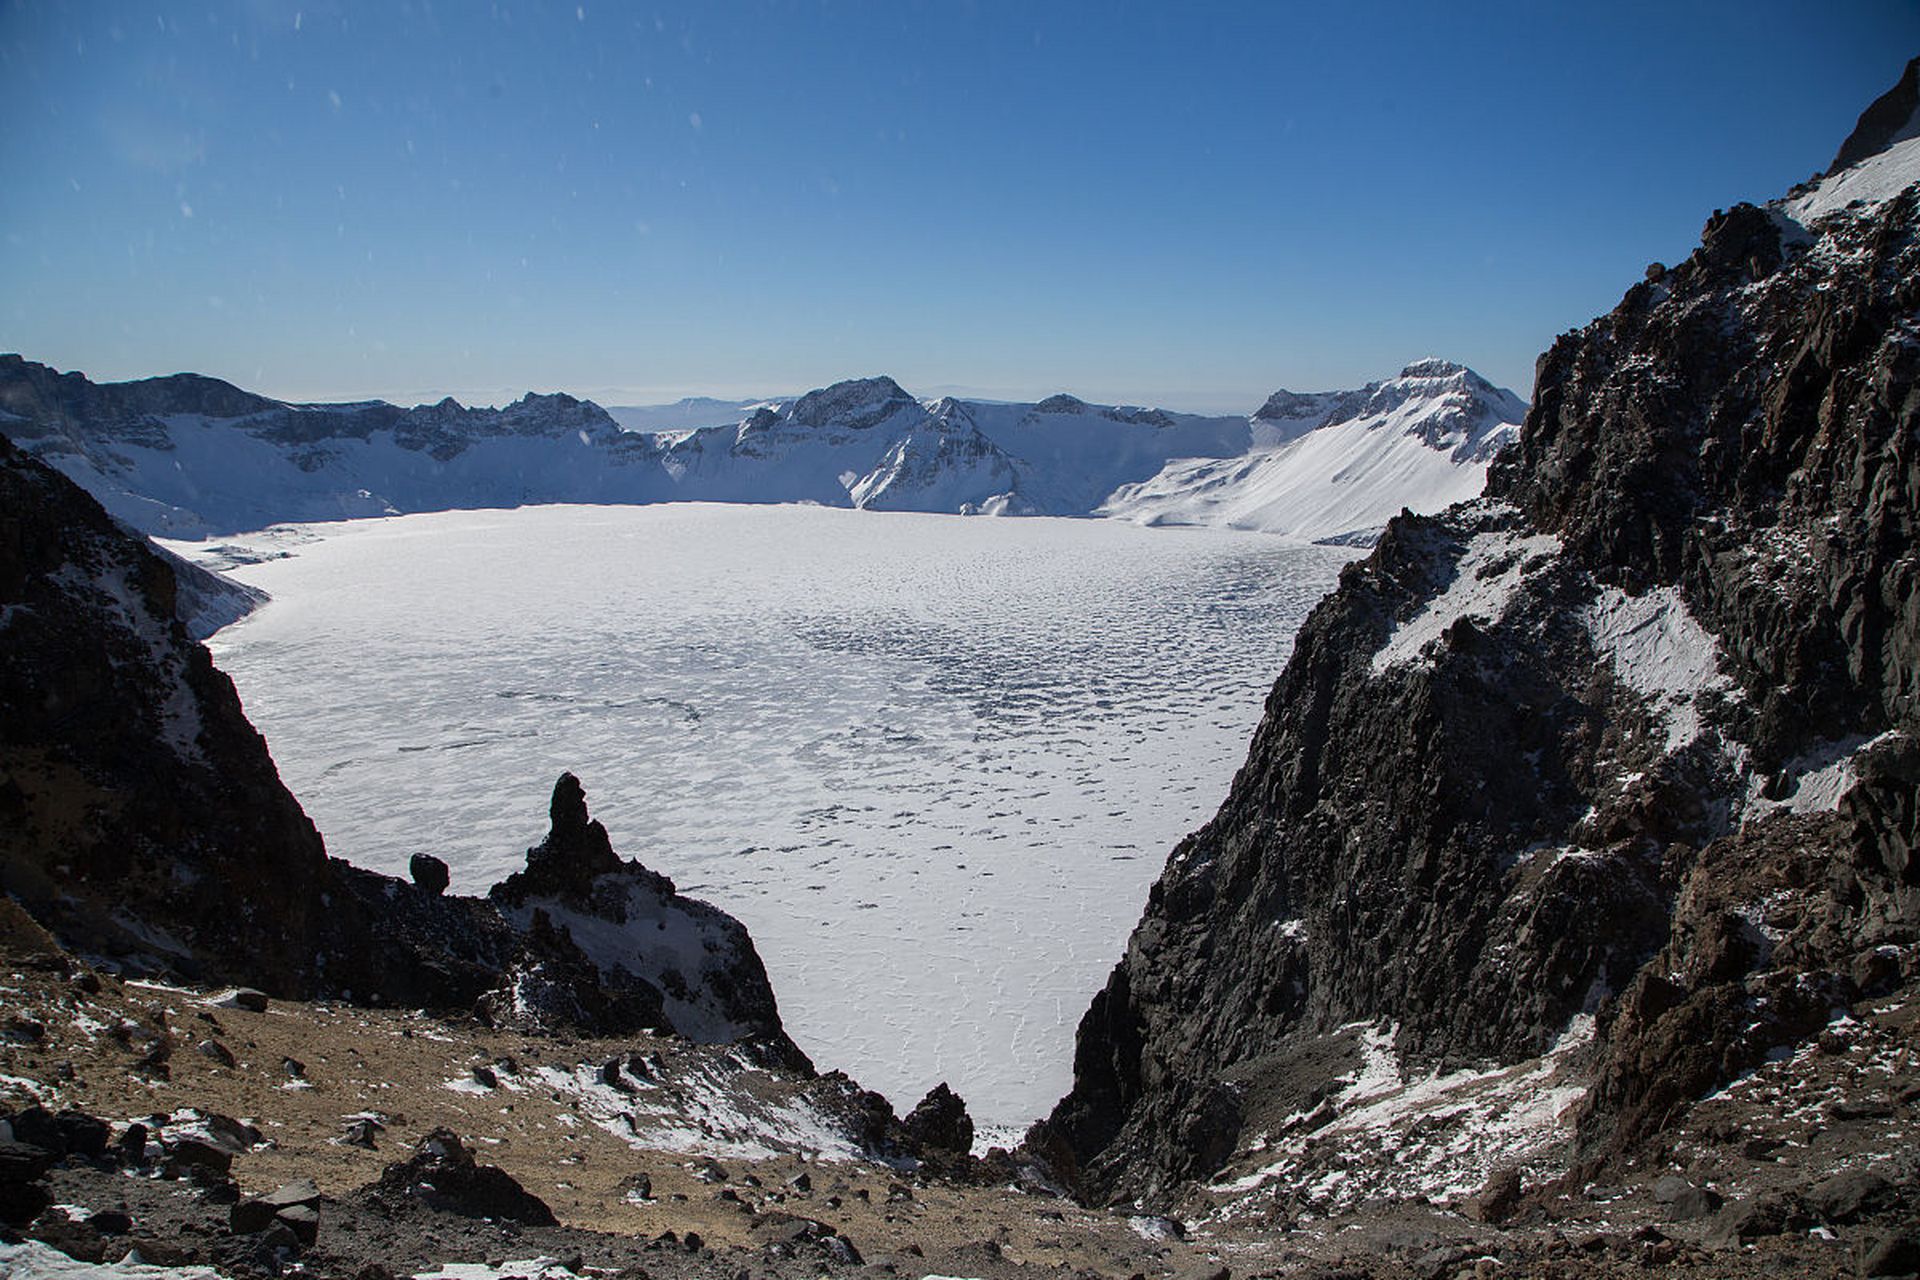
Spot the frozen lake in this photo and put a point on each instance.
(932, 762)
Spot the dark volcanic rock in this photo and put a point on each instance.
(443, 1175)
(1881, 124)
(1538, 749)
(140, 816)
(609, 944)
(429, 872)
(141, 819)
(940, 1121)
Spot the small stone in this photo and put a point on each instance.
(304, 1191)
(186, 1154)
(1848, 1195)
(217, 1051)
(249, 1216)
(26, 1030)
(294, 1068)
(111, 1222)
(1497, 1199)
(360, 1132)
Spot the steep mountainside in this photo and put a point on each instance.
(185, 456)
(1339, 465)
(1611, 773)
(142, 820)
(188, 456)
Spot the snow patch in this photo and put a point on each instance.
(542, 1268)
(1820, 779)
(1659, 651)
(706, 1107)
(656, 939)
(1488, 573)
(1439, 1136)
(35, 1261)
(1873, 181)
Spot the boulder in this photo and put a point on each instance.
(429, 873)
(443, 1175)
(940, 1121)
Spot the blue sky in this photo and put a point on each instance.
(1186, 204)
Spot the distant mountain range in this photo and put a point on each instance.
(190, 456)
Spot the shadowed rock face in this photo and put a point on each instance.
(1883, 123)
(1534, 756)
(139, 813)
(143, 822)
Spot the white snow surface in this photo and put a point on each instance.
(1877, 178)
(540, 1268)
(726, 1110)
(1489, 571)
(1660, 651)
(1341, 465)
(657, 937)
(932, 763)
(32, 1260)
(1819, 779)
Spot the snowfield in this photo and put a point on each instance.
(932, 763)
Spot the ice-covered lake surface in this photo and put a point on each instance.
(932, 762)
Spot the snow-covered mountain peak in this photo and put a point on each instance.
(1335, 465)
(1448, 406)
(857, 404)
(1435, 367)
(188, 456)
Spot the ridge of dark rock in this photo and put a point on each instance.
(1485, 800)
(1894, 114)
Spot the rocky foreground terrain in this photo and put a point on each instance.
(1564, 921)
(215, 1127)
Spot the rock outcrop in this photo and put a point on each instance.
(610, 944)
(1627, 749)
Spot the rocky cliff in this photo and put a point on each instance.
(142, 821)
(1602, 785)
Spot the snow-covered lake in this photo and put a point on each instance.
(932, 762)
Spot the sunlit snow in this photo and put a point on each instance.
(933, 763)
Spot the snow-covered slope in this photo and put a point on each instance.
(688, 414)
(1339, 465)
(187, 456)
